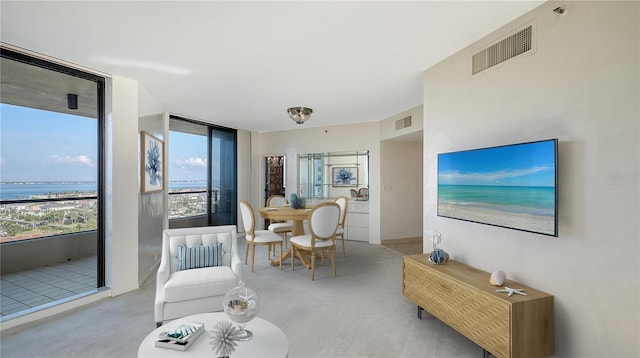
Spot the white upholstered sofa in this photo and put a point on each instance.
(195, 290)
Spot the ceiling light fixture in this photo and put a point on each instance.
(299, 114)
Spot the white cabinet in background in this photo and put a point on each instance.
(357, 223)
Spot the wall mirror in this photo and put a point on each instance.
(333, 174)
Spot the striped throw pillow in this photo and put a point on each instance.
(199, 256)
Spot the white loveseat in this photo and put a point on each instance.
(181, 293)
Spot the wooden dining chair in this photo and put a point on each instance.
(255, 237)
(278, 226)
(323, 223)
(343, 202)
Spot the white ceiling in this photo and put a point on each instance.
(242, 64)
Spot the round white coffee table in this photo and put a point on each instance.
(268, 340)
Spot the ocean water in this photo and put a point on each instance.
(25, 190)
(532, 200)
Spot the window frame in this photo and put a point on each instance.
(210, 129)
(100, 150)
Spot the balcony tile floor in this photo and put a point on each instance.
(26, 290)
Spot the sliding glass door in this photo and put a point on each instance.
(223, 171)
(52, 242)
(202, 174)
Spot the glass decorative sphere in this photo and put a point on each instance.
(242, 304)
(438, 256)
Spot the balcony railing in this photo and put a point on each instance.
(41, 217)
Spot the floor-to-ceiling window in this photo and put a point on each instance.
(223, 175)
(202, 174)
(51, 160)
(187, 171)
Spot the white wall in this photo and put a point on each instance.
(147, 105)
(580, 86)
(388, 125)
(364, 136)
(401, 176)
(122, 188)
(244, 170)
(152, 207)
(401, 194)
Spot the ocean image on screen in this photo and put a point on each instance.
(510, 186)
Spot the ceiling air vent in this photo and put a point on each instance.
(503, 50)
(403, 123)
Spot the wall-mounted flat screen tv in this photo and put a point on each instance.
(513, 186)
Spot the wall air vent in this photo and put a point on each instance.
(503, 50)
(403, 123)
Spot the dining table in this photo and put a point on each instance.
(297, 217)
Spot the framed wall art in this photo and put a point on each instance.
(345, 176)
(151, 164)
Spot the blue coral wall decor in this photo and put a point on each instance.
(345, 176)
(152, 163)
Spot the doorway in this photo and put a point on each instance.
(401, 197)
(274, 176)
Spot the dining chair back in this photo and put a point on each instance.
(276, 200)
(324, 220)
(343, 202)
(255, 237)
(248, 218)
(323, 223)
(280, 227)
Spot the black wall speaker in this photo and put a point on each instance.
(72, 101)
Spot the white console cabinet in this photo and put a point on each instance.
(357, 222)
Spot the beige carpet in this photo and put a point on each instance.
(408, 246)
(360, 313)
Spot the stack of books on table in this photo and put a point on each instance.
(182, 337)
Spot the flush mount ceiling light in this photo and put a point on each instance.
(299, 114)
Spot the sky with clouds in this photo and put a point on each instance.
(187, 157)
(39, 145)
(528, 164)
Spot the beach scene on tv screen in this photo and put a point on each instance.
(511, 186)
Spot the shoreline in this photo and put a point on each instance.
(38, 190)
(522, 221)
